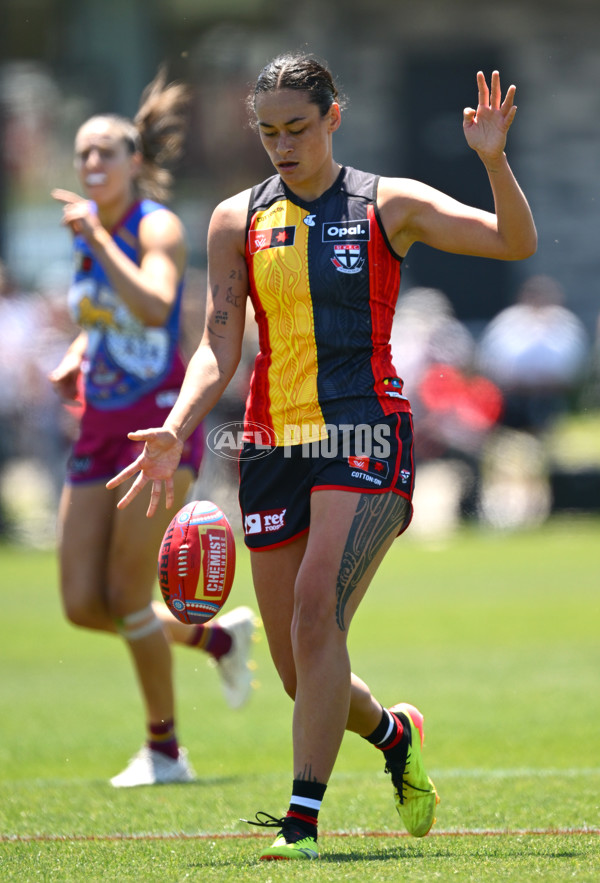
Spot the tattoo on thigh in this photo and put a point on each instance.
(377, 516)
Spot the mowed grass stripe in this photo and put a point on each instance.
(221, 835)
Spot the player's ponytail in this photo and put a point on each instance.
(160, 123)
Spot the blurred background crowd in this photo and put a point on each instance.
(501, 361)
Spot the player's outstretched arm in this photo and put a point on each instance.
(414, 212)
(211, 367)
(157, 463)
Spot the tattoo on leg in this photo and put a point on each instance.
(306, 775)
(377, 516)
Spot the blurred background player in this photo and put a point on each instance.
(125, 367)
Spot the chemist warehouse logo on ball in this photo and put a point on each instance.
(346, 237)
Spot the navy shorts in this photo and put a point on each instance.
(276, 482)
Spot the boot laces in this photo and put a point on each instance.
(265, 820)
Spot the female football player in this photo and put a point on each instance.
(130, 257)
(318, 248)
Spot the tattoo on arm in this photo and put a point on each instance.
(213, 333)
(377, 516)
(221, 317)
(232, 298)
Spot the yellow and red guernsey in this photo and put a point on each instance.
(324, 282)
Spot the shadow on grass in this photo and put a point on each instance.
(488, 852)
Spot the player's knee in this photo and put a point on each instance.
(82, 613)
(311, 625)
(288, 679)
(139, 624)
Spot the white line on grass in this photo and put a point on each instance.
(517, 773)
(441, 773)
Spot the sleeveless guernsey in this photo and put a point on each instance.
(324, 282)
(125, 359)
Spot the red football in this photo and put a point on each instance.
(196, 562)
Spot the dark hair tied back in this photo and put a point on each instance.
(301, 72)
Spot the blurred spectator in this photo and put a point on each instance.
(425, 331)
(32, 422)
(17, 324)
(455, 409)
(537, 352)
(590, 395)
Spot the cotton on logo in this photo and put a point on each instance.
(265, 522)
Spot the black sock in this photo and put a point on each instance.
(302, 816)
(388, 732)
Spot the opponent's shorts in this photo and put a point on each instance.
(276, 483)
(103, 449)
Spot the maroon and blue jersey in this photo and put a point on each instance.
(125, 359)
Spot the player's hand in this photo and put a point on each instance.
(77, 213)
(486, 128)
(157, 463)
(65, 378)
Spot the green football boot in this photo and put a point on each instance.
(414, 792)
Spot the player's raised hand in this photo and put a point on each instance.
(77, 212)
(157, 463)
(486, 127)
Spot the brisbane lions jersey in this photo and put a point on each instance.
(125, 359)
(324, 282)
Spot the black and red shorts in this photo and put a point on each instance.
(276, 482)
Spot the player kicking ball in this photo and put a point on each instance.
(318, 249)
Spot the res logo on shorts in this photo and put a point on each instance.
(265, 522)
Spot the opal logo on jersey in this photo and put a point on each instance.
(271, 237)
(265, 522)
(349, 231)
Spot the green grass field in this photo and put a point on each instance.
(496, 637)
